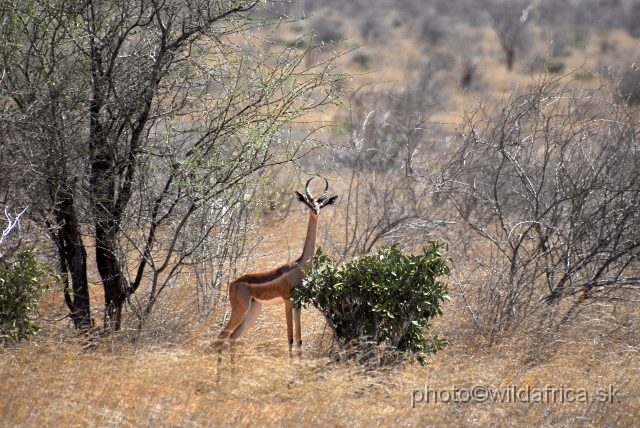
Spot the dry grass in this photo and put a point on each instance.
(51, 384)
(56, 380)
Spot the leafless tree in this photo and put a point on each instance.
(133, 122)
(547, 183)
(509, 21)
(382, 159)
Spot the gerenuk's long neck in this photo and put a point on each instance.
(310, 241)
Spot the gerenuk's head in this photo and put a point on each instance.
(316, 204)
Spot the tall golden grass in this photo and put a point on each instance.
(168, 376)
(45, 383)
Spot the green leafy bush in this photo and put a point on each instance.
(21, 284)
(379, 305)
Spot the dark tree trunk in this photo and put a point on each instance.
(106, 227)
(511, 58)
(103, 187)
(73, 260)
(102, 182)
(109, 270)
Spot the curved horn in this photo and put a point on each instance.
(326, 189)
(306, 189)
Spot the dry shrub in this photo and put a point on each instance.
(543, 193)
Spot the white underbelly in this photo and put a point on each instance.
(276, 301)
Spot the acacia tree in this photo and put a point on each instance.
(509, 21)
(131, 122)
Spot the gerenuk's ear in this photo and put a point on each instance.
(300, 197)
(330, 201)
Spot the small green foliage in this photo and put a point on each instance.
(21, 284)
(583, 75)
(554, 66)
(385, 299)
(363, 61)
